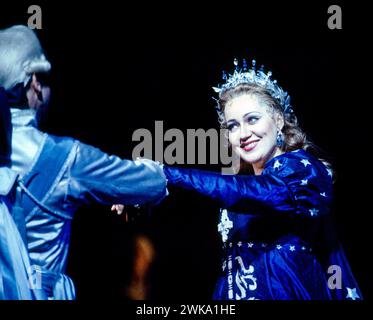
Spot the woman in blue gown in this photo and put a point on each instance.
(275, 223)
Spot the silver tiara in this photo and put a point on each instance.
(253, 76)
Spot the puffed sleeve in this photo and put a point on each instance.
(107, 179)
(308, 180)
(281, 186)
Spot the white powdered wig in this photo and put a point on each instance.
(21, 55)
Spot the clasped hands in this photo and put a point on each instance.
(122, 209)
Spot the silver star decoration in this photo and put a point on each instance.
(303, 248)
(230, 244)
(330, 173)
(323, 194)
(305, 162)
(279, 246)
(352, 294)
(250, 244)
(277, 164)
(224, 265)
(239, 243)
(313, 212)
(292, 248)
(304, 182)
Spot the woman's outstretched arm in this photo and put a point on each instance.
(234, 190)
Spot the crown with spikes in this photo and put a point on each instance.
(253, 76)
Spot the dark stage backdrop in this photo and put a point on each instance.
(120, 68)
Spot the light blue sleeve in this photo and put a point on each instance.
(95, 176)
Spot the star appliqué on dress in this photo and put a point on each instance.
(313, 212)
(304, 182)
(352, 294)
(224, 265)
(277, 164)
(330, 173)
(305, 162)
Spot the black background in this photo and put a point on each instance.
(117, 68)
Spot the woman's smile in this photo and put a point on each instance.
(249, 145)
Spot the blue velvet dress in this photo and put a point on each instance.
(278, 238)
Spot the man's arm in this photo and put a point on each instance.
(95, 176)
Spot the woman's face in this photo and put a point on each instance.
(252, 130)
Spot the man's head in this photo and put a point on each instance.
(22, 61)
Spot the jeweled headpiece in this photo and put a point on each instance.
(253, 76)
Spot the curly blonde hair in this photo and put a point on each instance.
(294, 137)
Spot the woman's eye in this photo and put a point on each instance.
(252, 120)
(232, 126)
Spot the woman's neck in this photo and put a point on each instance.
(259, 167)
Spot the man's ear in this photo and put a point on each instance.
(34, 93)
(35, 84)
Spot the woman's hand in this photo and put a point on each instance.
(130, 213)
(118, 208)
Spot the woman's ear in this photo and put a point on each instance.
(279, 121)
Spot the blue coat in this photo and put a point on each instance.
(87, 175)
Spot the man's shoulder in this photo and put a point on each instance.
(61, 139)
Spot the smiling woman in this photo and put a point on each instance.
(252, 130)
(278, 238)
(262, 120)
